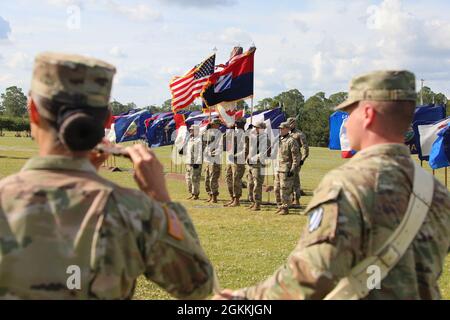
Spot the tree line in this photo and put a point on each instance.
(312, 114)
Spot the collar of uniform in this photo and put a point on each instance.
(393, 149)
(54, 162)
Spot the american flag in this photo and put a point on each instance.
(188, 87)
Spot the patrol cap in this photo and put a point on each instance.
(72, 79)
(284, 125)
(292, 122)
(260, 125)
(216, 121)
(381, 86)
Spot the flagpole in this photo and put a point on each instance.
(251, 111)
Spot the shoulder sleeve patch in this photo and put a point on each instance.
(174, 226)
(322, 214)
(323, 195)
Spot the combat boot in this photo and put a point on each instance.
(252, 206)
(229, 203)
(297, 201)
(195, 197)
(283, 211)
(280, 209)
(189, 198)
(235, 203)
(210, 198)
(257, 207)
(214, 198)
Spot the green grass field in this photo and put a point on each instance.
(244, 246)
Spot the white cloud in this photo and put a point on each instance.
(315, 47)
(6, 79)
(131, 80)
(20, 60)
(117, 52)
(234, 36)
(5, 29)
(139, 12)
(299, 24)
(201, 3)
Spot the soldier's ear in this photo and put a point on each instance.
(369, 115)
(32, 111)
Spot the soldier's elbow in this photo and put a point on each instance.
(199, 289)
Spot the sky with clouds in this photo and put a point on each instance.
(309, 45)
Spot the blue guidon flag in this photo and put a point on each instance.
(234, 82)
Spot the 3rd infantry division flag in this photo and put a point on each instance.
(234, 82)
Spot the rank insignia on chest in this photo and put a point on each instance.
(315, 219)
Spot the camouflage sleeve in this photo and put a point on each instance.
(304, 147)
(173, 255)
(296, 157)
(325, 253)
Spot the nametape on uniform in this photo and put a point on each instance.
(174, 227)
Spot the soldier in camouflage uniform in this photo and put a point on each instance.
(212, 141)
(356, 207)
(257, 151)
(288, 161)
(234, 140)
(194, 162)
(300, 137)
(68, 233)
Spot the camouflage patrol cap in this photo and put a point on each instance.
(216, 121)
(72, 79)
(260, 125)
(284, 125)
(292, 122)
(381, 86)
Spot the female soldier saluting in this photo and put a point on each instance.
(59, 218)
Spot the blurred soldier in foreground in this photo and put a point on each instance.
(288, 161)
(60, 220)
(257, 146)
(194, 162)
(379, 226)
(212, 141)
(300, 137)
(235, 142)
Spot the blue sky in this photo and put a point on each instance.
(309, 45)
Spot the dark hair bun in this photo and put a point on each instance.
(81, 132)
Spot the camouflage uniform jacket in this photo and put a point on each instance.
(234, 141)
(212, 145)
(57, 212)
(288, 154)
(257, 149)
(300, 137)
(355, 208)
(194, 150)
